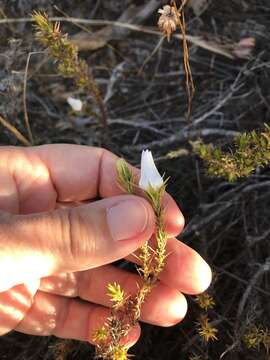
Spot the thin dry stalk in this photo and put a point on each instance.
(195, 40)
(14, 131)
(26, 117)
(190, 87)
(157, 47)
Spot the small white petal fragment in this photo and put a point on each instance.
(76, 104)
(150, 177)
(243, 49)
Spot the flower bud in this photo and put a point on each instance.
(150, 177)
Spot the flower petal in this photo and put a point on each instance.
(150, 177)
(76, 104)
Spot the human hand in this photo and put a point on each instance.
(57, 243)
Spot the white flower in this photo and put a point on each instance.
(150, 177)
(75, 104)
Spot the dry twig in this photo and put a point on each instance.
(14, 131)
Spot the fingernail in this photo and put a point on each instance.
(127, 219)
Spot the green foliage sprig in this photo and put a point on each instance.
(256, 337)
(65, 53)
(126, 308)
(205, 301)
(252, 150)
(204, 327)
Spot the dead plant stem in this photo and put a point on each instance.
(14, 131)
(195, 40)
(26, 117)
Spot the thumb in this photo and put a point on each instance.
(72, 239)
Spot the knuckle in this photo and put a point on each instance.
(14, 306)
(77, 234)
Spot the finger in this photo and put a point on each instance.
(33, 179)
(66, 318)
(164, 306)
(72, 239)
(14, 304)
(185, 269)
(173, 217)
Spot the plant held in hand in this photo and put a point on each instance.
(126, 309)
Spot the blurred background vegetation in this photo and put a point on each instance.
(142, 82)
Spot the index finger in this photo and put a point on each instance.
(36, 178)
(92, 173)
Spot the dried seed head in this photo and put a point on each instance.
(168, 20)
